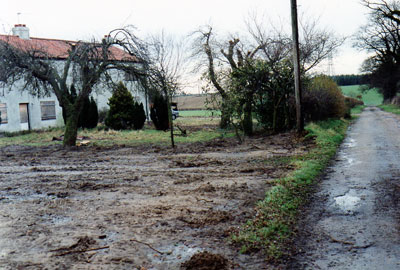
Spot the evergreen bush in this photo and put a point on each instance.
(89, 116)
(124, 112)
(159, 112)
(93, 115)
(140, 116)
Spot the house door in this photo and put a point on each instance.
(24, 116)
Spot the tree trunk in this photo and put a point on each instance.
(71, 128)
(225, 116)
(72, 113)
(171, 124)
(248, 118)
(274, 118)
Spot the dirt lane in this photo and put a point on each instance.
(353, 223)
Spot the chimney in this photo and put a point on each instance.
(21, 31)
(107, 39)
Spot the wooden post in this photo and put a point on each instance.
(296, 61)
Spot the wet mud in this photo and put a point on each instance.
(145, 207)
(353, 222)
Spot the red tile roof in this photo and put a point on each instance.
(58, 49)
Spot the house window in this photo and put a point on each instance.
(130, 77)
(48, 110)
(3, 113)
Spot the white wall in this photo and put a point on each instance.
(14, 96)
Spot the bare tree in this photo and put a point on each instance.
(166, 69)
(206, 50)
(84, 65)
(388, 9)
(316, 44)
(381, 36)
(218, 60)
(221, 60)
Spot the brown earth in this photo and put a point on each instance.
(144, 207)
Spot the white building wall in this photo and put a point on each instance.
(13, 97)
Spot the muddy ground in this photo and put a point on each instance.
(144, 207)
(353, 221)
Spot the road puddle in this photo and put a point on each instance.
(350, 143)
(347, 202)
(349, 160)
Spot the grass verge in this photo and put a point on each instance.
(102, 137)
(390, 108)
(271, 229)
(357, 110)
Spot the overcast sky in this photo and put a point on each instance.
(83, 19)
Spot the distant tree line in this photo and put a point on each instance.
(351, 79)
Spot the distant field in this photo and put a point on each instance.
(193, 102)
(371, 97)
(199, 113)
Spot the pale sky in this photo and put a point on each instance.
(84, 19)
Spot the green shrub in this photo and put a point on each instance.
(323, 99)
(93, 115)
(159, 112)
(274, 103)
(89, 116)
(139, 116)
(124, 112)
(350, 104)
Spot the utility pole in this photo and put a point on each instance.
(296, 61)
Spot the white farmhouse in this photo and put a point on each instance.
(22, 111)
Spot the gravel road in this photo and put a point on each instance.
(353, 222)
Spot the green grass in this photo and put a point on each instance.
(390, 108)
(32, 138)
(357, 110)
(103, 137)
(272, 227)
(200, 113)
(370, 97)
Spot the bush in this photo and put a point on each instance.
(124, 112)
(159, 112)
(350, 104)
(89, 115)
(274, 104)
(139, 116)
(323, 100)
